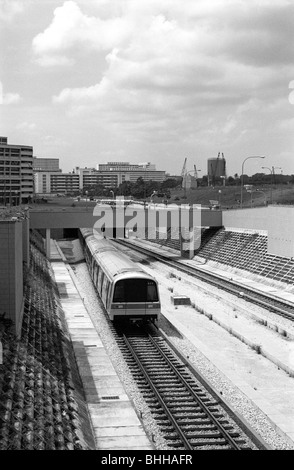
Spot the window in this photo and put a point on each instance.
(152, 292)
(135, 290)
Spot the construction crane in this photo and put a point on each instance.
(184, 168)
(184, 175)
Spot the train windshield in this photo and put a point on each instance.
(135, 290)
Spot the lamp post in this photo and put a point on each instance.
(86, 200)
(272, 170)
(153, 194)
(255, 156)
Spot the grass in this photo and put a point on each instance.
(230, 196)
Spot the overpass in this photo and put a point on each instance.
(116, 220)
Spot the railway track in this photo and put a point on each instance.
(189, 416)
(284, 309)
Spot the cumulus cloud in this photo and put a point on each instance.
(8, 98)
(71, 28)
(174, 66)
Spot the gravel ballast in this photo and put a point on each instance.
(244, 406)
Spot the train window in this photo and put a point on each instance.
(100, 280)
(105, 289)
(107, 293)
(152, 295)
(135, 290)
(119, 292)
(96, 273)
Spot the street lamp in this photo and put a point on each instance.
(272, 170)
(86, 192)
(255, 156)
(153, 194)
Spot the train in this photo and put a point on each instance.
(126, 290)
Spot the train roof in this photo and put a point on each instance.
(112, 260)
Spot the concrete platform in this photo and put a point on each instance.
(115, 423)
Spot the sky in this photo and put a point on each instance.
(92, 81)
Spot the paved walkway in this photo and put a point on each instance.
(115, 423)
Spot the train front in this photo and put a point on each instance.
(135, 297)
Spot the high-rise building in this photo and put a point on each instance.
(16, 173)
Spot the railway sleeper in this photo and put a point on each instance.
(194, 414)
(198, 426)
(167, 378)
(175, 394)
(178, 445)
(209, 442)
(208, 434)
(160, 414)
(168, 385)
(154, 406)
(189, 399)
(187, 407)
(205, 421)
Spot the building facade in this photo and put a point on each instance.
(46, 164)
(112, 174)
(49, 178)
(16, 173)
(64, 183)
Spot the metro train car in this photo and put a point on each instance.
(126, 290)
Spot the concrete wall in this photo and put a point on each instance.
(68, 218)
(252, 219)
(281, 231)
(11, 272)
(276, 221)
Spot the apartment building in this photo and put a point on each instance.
(16, 173)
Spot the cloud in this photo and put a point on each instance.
(174, 69)
(8, 98)
(10, 8)
(70, 29)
